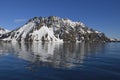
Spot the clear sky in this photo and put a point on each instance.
(102, 15)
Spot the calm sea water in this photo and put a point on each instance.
(59, 61)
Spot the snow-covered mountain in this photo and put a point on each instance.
(54, 29)
(3, 31)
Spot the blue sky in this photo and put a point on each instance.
(102, 15)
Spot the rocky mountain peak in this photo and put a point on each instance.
(54, 28)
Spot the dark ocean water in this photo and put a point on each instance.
(59, 61)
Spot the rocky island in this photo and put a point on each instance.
(53, 28)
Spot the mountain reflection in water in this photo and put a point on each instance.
(58, 55)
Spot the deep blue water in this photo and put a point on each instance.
(59, 61)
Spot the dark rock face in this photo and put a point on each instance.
(56, 29)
